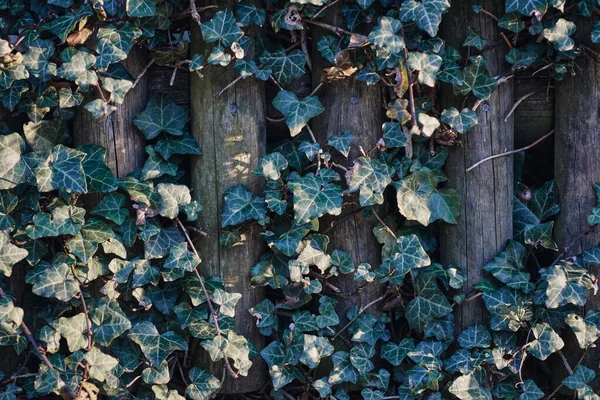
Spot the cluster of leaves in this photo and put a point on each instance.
(116, 299)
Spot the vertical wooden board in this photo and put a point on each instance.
(123, 142)
(230, 129)
(485, 223)
(359, 109)
(576, 169)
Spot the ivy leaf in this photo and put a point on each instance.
(370, 176)
(110, 321)
(407, 253)
(55, 281)
(560, 35)
(477, 80)
(461, 121)
(427, 14)
(248, 14)
(580, 379)
(101, 364)
(9, 254)
(226, 301)
(114, 44)
(98, 176)
(507, 267)
(427, 65)
(314, 197)
(203, 385)
(547, 341)
(343, 370)
(531, 391)
(64, 24)
(171, 198)
(37, 59)
(526, 7)
(285, 67)
(42, 136)
(141, 8)
(395, 353)
(467, 387)
(62, 170)
(161, 115)
(475, 336)
(155, 346)
(110, 207)
(74, 330)
(586, 330)
(77, 67)
(239, 206)
(270, 166)
(393, 135)
(474, 40)
(413, 194)
(384, 35)
(170, 146)
(341, 142)
(65, 220)
(343, 261)
(315, 349)
(429, 303)
(565, 283)
(596, 32)
(221, 27)
(297, 113)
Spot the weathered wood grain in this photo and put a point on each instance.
(231, 132)
(485, 222)
(359, 109)
(123, 142)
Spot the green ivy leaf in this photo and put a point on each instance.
(9, 254)
(63, 25)
(101, 364)
(427, 64)
(297, 113)
(141, 8)
(239, 206)
(475, 336)
(384, 35)
(477, 80)
(427, 14)
(395, 353)
(109, 320)
(341, 142)
(114, 44)
(111, 208)
(248, 14)
(270, 166)
(370, 176)
(221, 27)
(547, 341)
(467, 387)
(429, 303)
(155, 346)
(531, 391)
(203, 385)
(161, 115)
(62, 170)
(526, 7)
(98, 176)
(172, 197)
(474, 40)
(586, 330)
(285, 67)
(461, 121)
(74, 330)
(314, 197)
(170, 146)
(77, 67)
(507, 267)
(510, 308)
(560, 35)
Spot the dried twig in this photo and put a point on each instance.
(520, 100)
(194, 12)
(208, 300)
(142, 73)
(510, 152)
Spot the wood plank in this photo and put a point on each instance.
(231, 132)
(485, 222)
(357, 108)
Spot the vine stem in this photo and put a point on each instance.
(194, 12)
(387, 228)
(360, 312)
(507, 153)
(85, 311)
(142, 73)
(214, 314)
(66, 392)
(411, 95)
(551, 395)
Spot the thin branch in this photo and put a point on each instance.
(194, 12)
(208, 300)
(360, 312)
(565, 362)
(322, 10)
(142, 73)
(547, 135)
(520, 100)
(316, 89)
(411, 95)
(387, 228)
